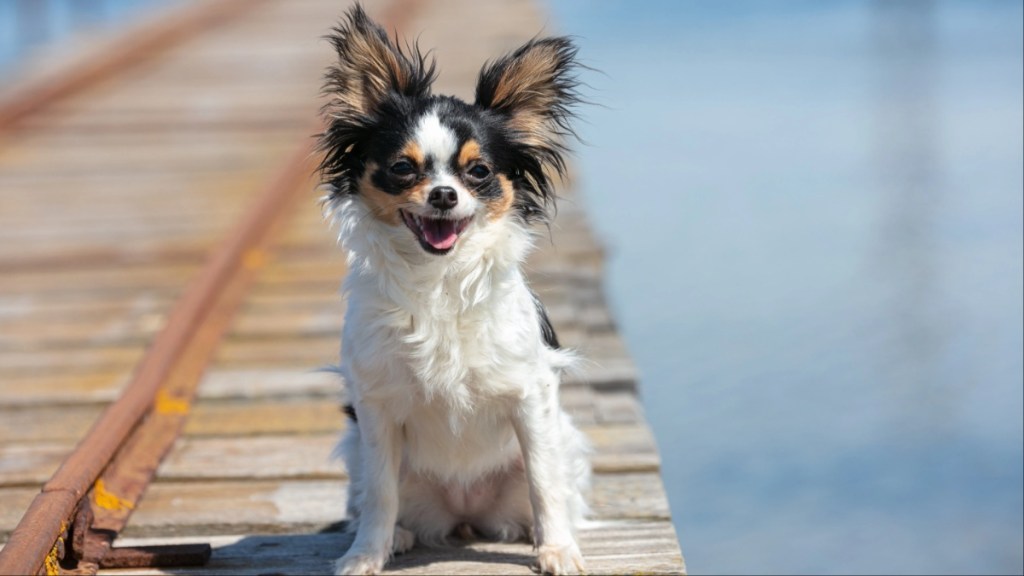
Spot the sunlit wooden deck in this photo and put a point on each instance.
(113, 197)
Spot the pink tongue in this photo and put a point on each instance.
(440, 233)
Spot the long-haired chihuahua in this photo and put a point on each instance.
(451, 363)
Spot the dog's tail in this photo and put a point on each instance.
(566, 361)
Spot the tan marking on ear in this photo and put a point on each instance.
(532, 69)
(383, 206)
(413, 151)
(378, 66)
(470, 151)
(525, 88)
(500, 206)
(368, 66)
(530, 126)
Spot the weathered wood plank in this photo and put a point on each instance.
(267, 407)
(46, 424)
(86, 387)
(226, 507)
(110, 279)
(272, 416)
(13, 503)
(617, 449)
(612, 547)
(279, 506)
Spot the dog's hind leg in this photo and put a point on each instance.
(404, 540)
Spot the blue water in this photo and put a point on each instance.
(814, 216)
(27, 25)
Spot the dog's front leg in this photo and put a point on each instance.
(380, 458)
(538, 428)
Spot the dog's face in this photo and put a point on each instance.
(437, 165)
(437, 169)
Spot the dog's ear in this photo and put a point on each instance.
(370, 67)
(534, 87)
(370, 72)
(534, 90)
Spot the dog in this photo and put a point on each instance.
(451, 364)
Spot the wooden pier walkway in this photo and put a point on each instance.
(119, 200)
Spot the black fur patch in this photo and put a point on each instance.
(546, 329)
(350, 411)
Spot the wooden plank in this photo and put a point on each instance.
(617, 407)
(264, 417)
(303, 354)
(47, 423)
(300, 415)
(279, 506)
(13, 503)
(30, 465)
(69, 360)
(90, 387)
(617, 449)
(226, 383)
(48, 389)
(109, 279)
(612, 547)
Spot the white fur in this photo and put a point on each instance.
(434, 138)
(455, 392)
(438, 142)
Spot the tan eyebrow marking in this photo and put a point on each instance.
(470, 151)
(413, 151)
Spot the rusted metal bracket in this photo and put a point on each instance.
(83, 549)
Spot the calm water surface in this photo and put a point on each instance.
(814, 216)
(28, 25)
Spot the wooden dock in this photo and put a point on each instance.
(117, 192)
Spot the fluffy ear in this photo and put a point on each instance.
(370, 72)
(370, 66)
(535, 89)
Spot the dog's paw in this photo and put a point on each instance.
(359, 564)
(404, 541)
(558, 560)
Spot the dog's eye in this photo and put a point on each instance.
(403, 168)
(479, 172)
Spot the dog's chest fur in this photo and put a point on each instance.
(449, 350)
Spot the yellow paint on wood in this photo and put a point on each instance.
(167, 404)
(108, 500)
(254, 259)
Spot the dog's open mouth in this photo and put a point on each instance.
(436, 235)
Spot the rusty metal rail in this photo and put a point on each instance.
(135, 46)
(164, 382)
(161, 390)
(71, 524)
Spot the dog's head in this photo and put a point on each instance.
(436, 165)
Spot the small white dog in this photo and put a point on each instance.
(451, 363)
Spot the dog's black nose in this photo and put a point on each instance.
(443, 198)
